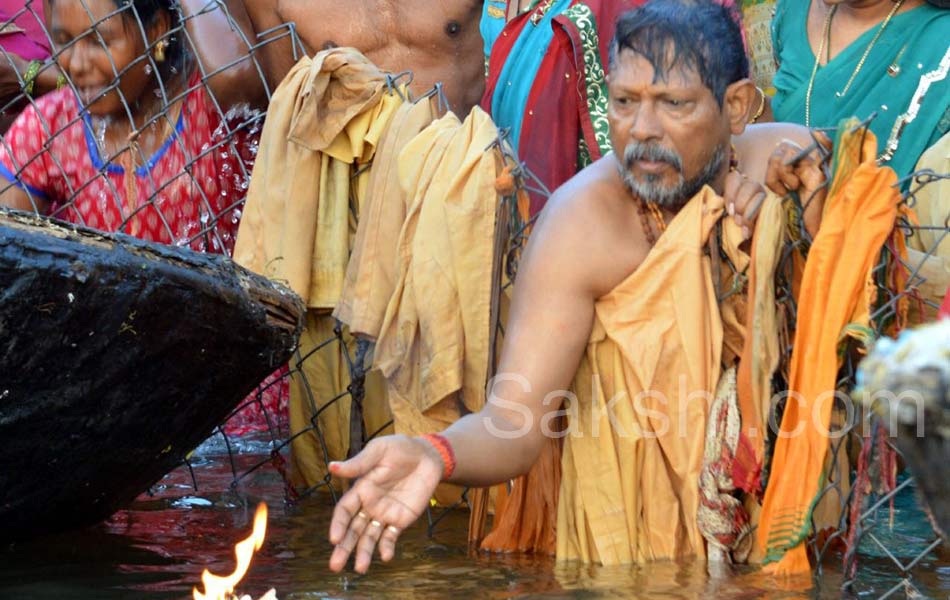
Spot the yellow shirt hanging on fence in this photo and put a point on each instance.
(323, 125)
(932, 202)
(372, 272)
(433, 333)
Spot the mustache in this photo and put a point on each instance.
(651, 152)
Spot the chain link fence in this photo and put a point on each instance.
(866, 532)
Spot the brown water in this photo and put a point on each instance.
(158, 547)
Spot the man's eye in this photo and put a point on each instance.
(674, 102)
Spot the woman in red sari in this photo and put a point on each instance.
(138, 142)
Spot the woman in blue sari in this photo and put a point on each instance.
(843, 58)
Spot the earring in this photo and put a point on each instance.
(160, 50)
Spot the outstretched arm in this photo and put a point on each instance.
(224, 40)
(548, 329)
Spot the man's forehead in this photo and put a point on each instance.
(672, 71)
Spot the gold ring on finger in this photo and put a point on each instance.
(362, 515)
(375, 523)
(392, 529)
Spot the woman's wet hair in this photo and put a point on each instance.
(701, 35)
(147, 12)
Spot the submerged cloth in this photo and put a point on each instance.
(546, 82)
(187, 193)
(906, 71)
(433, 345)
(23, 30)
(324, 123)
(631, 465)
(859, 215)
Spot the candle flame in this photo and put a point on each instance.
(222, 588)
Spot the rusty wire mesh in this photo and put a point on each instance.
(871, 541)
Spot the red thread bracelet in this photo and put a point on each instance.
(444, 448)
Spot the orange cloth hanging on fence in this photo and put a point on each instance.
(859, 214)
(630, 481)
(526, 514)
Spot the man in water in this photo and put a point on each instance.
(615, 301)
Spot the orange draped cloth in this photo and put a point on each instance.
(635, 443)
(859, 215)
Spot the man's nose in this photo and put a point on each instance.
(646, 125)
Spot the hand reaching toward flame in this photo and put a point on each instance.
(395, 478)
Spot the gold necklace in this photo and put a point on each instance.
(826, 33)
(826, 36)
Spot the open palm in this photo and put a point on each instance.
(395, 478)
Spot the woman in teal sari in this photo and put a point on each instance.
(843, 58)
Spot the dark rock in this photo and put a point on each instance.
(117, 358)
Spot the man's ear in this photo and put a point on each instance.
(739, 102)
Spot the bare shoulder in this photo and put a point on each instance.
(580, 204)
(588, 232)
(755, 145)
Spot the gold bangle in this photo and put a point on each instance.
(761, 109)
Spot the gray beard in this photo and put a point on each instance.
(651, 188)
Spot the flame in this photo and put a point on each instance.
(222, 588)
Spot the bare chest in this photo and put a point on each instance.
(382, 28)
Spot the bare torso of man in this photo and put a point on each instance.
(438, 40)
